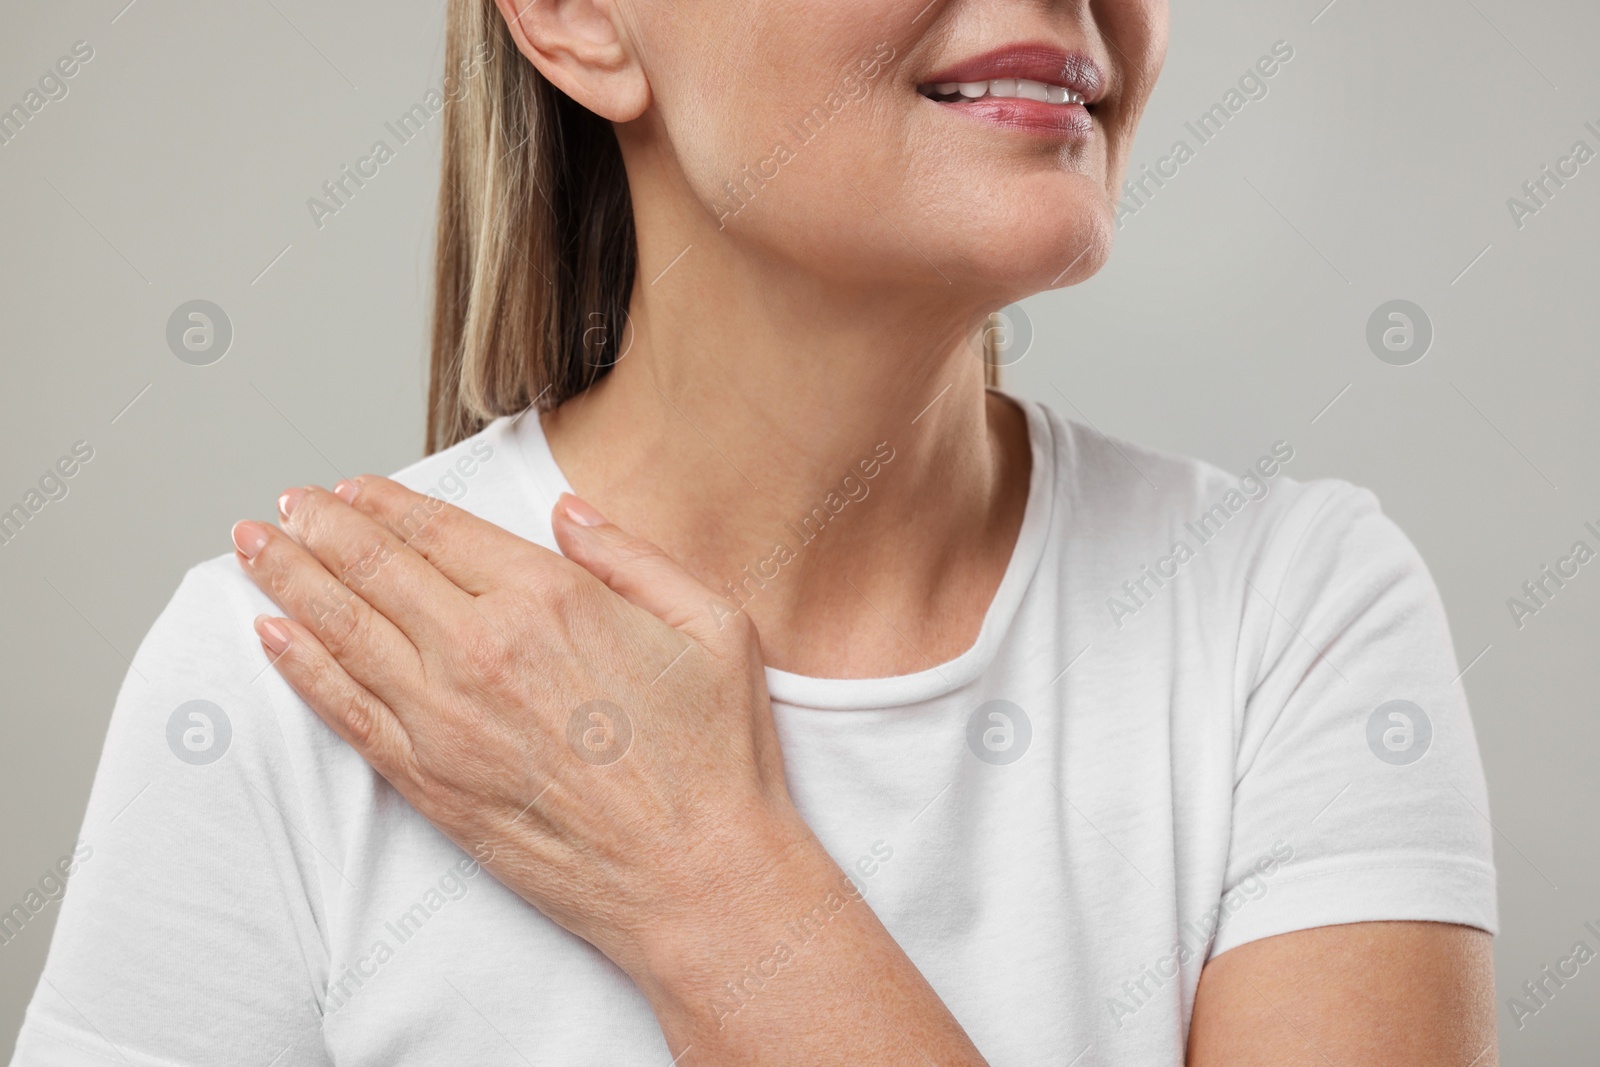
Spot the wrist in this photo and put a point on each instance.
(762, 891)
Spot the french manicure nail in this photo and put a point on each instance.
(289, 501)
(275, 637)
(346, 490)
(581, 512)
(249, 538)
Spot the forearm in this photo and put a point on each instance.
(791, 966)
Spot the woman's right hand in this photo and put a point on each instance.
(588, 725)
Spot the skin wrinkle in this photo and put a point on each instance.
(848, 291)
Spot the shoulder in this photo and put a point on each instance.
(1249, 521)
(485, 474)
(452, 472)
(488, 474)
(203, 644)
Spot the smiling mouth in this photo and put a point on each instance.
(1001, 89)
(1033, 87)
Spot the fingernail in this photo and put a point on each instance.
(346, 490)
(580, 512)
(275, 637)
(249, 538)
(289, 501)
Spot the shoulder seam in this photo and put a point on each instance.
(1338, 489)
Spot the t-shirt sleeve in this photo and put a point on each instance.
(1359, 793)
(191, 930)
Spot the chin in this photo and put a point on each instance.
(1038, 245)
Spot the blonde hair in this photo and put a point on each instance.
(535, 258)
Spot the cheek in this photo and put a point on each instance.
(801, 133)
(1136, 30)
(779, 100)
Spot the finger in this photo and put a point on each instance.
(639, 572)
(405, 588)
(349, 708)
(475, 554)
(368, 646)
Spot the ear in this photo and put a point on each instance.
(582, 47)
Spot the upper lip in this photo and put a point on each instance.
(1035, 62)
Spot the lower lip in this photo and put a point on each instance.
(1030, 116)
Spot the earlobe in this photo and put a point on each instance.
(582, 47)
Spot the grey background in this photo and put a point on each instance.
(1232, 314)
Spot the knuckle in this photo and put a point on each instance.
(741, 632)
(337, 699)
(310, 515)
(280, 581)
(316, 673)
(735, 633)
(486, 656)
(557, 587)
(411, 516)
(411, 780)
(741, 628)
(340, 624)
(633, 553)
(362, 567)
(358, 716)
(544, 587)
(418, 520)
(403, 768)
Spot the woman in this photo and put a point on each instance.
(882, 718)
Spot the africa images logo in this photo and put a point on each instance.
(1399, 732)
(199, 732)
(599, 732)
(999, 732)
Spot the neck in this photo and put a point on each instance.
(817, 458)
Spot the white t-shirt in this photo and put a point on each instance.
(1203, 709)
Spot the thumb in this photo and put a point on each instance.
(639, 572)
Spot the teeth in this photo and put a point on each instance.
(1006, 89)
